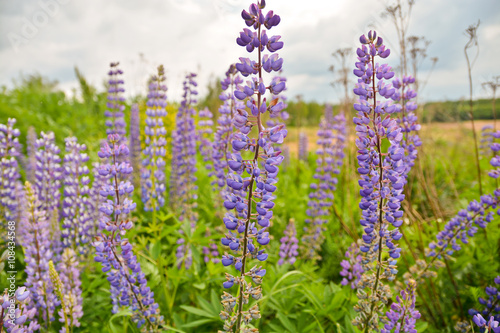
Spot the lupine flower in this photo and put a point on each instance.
(491, 308)
(404, 96)
(303, 146)
(24, 318)
(382, 178)
(31, 152)
(247, 230)
(153, 171)
(486, 140)
(116, 102)
(135, 141)
(204, 132)
(76, 204)
(289, 245)
(331, 145)
(37, 256)
(128, 283)
(95, 199)
(183, 179)
(48, 173)
(352, 268)
(402, 316)
(222, 148)
(9, 171)
(277, 118)
(182, 183)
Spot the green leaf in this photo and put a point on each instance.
(198, 323)
(114, 328)
(196, 311)
(286, 322)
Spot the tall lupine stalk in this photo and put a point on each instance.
(128, 283)
(253, 199)
(71, 288)
(303, 150)
(331, 142)
(9, 172)
(31, 152)
(404, 96)
(204, 132)
(76, 204)
(37, 251)
(116, 102)
(289, 245)
(153, 171)
(382, 180)
(222, 148)
(183, 178)
(135, 141)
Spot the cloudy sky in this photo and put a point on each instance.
(52, 36)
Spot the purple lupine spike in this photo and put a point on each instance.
(222, 148)
(128, 282)
(48, 173)
(404, 95)
(183, 179)
(31, 152)
(37, 249)
(382, 177)
(9, 172)
(462, 226)
(289, 245)
(204, 133)
(135, 141)
(303, 146)
(491, 309)
(116, 102)
(486, 140)
(76, 203)
(352, 268)
(253, 180)
(402, 316)
(153, 171)
(15, 312)
(69, 274)
(95, 199)
(331, 143)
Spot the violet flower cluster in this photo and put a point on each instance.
(76, 206)
(31, 152)
(491, 313)
(69, 274)
(402, 316)
(116, 102)
(49, 173)
(331, 143)
(277, 118)
(153, 171)
(183, 180)
(255, 166)
(204, 132)
(382, 179)
(289, 245)
(303, 146)
(352, 268)
(15, 316)
(38, 253)
(9, 171)
(135, 141)
(404, 96)
(486, 140)
(222, 148)
(128, 282)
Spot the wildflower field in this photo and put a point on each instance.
(244, 210)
